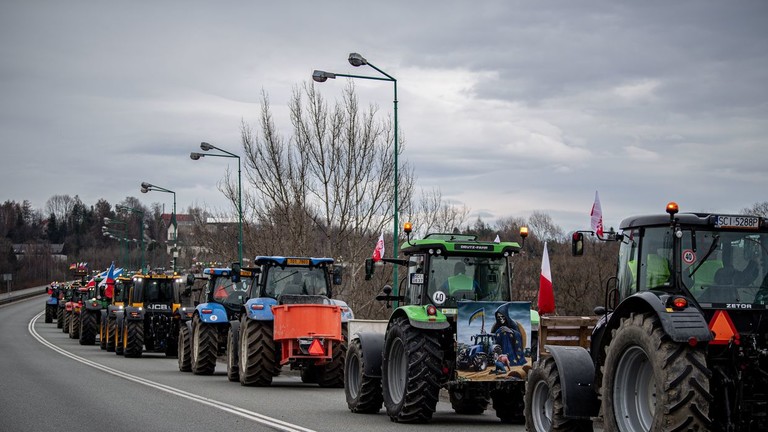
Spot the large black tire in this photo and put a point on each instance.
(652, 383)
(49, 313)
(74, 326)
(67, 319)
(233, 356)
(363, 392)
(88, 327)
(544, 409)
(509, 403)
(59, 317)
(110, 334)
(205, 346)
(133, 339)
(468, 401)
(411, 371)
(259, 357)
(185, 349)
(103, 332)
(119, 334)
(332, 374)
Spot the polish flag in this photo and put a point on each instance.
(378, 252)
(546, 292)
(597, 217)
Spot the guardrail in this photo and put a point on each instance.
(22, 294)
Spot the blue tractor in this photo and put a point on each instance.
(214, 321)
(52, 302)
(292, 318)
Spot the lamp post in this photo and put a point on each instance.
(113, 233)
(357, 60)
(141, 230)
(196, 156)
(148, 187)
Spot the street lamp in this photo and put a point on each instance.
(141, 230)
(148, 187)
(357, 60)
(113, 233)
(196, 156)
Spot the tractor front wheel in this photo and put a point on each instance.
(411, 371)
(88, 327)
(49, 313)
(133, 338)
(544, 408)
(651, 382)
(59, 317)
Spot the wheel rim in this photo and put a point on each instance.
(397, 371)
(352, 377)
(541, 407)
(634, 391)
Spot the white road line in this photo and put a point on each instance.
(250, 415)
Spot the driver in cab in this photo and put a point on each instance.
(460, 285)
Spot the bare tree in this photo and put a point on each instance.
(60, 205)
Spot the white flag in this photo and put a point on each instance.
(378, 252)
(597, 217)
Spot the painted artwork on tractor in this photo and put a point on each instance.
(493, 340)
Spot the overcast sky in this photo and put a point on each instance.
(507, 106)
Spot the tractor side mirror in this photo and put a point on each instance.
(577, 244)
(236, 272)
(190, 279)
(369, 269)
(337, 276)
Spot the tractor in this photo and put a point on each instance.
(291, 318)
(108, 329)
(209, 333)
(52, 302)
(94, 302)
(681, 341)
(151, 315)
(453, 317)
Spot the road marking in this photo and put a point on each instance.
(250, 415)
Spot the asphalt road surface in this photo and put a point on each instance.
(49, 382)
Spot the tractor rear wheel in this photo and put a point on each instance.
(103, 332)
(652, 383)
(74, 326)
(332, 374)
(468, 402)
(133, 338)
(185, 349)
(110, 335)
(259, 358)
(88, 327)
(233, 337)
(48, 314)
(544, 408)
(67, 319)
(59, 317)
(363, 392)
(205, 345)
(509, 404)
(411, 370)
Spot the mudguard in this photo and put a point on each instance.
(113, 310)
(134, 314)
(91, 308)
(53, 301)
(212, 313)
(417, 315)
(260, 309)
(185, 313)
(577, 377)
(372, 345)
(346, 311)
(679, 325)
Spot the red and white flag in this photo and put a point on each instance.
(109, 281)
(378, 252)
(597, 217)
(546, 291)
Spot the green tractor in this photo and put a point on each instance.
(454, 326)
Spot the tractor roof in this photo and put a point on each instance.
(706, 220)
(459, 244)
(292, 261)
(225, 271)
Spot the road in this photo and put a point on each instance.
(49, 382)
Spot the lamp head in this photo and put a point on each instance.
(205, 146)
(107, 220)
(322, 76)
(146, 185)
(144, 190)
(356, 60)
(195, 156)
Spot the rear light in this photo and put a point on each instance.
(679, 303)
(692, 341)
(257, 307)
(431, 310)
(134, 314)
(50, 291)
(94, 304)
(206, 311)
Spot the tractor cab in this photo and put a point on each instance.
(295, 276)
(226, 288)
(155, 292)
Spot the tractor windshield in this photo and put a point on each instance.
(230, 293)
(155, 291)
(455, 278)
(296, 280)
(726, 266)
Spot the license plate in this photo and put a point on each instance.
(750, 222)
(294, 261)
